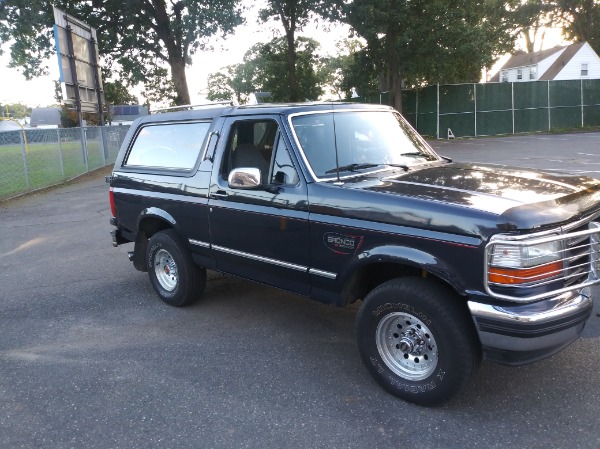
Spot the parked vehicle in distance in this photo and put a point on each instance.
(345, 202)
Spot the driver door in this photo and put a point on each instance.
(260, 233)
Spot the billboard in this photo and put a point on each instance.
(77, 50)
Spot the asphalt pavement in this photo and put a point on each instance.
(91, 358)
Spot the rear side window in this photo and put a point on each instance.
(172, 146)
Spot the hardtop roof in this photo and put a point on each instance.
(210, 112)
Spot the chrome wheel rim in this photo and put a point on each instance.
(407, 346)
(165, 269)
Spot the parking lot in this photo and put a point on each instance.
(90, 358)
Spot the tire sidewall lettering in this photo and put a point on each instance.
(151, 253)
(396, 382)
(399, 306)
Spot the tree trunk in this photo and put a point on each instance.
(394, 75)
(396, 92)
(289, 25)
(291, 61)
(180, 81)
(169, 32)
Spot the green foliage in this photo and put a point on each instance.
(134, 34)
(15, 110)
(116, 92)
(68, 117)
(530, 18)
(273, 61)
(293, 16)
(236, 82)
(352, 71)
(159, 88)
(219, 88)
(581, 20)
(261, 71)
(416, 42)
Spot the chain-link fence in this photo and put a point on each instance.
(31, 159)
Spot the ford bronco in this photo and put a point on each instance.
(452, 262)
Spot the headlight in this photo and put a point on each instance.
(524, 264)
(510, 256)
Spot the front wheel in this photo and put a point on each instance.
(417, 340)
(173, 274)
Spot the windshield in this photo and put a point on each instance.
(364, 140)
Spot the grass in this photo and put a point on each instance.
(47, 164)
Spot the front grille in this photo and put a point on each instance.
(579, 255)
(578, 251)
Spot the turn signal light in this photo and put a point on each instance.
(512, 276)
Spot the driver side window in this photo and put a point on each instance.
(250, 145)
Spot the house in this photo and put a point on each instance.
(125, 114)
(45, 118)
(572, 62)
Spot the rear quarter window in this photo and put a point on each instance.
(172, 146)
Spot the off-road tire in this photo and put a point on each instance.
(417, 340)
(177, 280)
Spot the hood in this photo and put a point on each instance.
(520, 198)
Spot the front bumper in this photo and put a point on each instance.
(517, 334)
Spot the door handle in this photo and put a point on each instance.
(219, 195)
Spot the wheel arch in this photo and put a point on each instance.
(373, 267)
(150, 221)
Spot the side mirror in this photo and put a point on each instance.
(244, 178)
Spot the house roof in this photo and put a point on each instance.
(562, 61)
(522, 59)
(127, 112)
(45, 117)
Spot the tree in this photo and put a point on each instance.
(414, 42)
(15, 110)
(261, 70)
(531, 19)
(219, 88)
(135, 34)
(294, 15)
(308, 78)
(236, 81)
(352, 71)
(581, 20)
(115, 92)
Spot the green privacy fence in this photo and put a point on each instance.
(466, 110)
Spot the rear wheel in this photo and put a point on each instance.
(417, 340)
(173, 274)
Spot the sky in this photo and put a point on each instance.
(40, 91)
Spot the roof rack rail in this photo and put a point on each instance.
(192, 106)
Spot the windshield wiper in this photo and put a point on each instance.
(402, 166)
(351, 167)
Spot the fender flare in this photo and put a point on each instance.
(155, 212)
(141, 239)
(408, 256)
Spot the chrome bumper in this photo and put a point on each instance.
(518, 334)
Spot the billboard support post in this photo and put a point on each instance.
(94, 58)
(73, 67)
